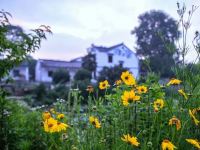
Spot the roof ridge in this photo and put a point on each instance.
(122, 43)
(54, 60)
(116, 45)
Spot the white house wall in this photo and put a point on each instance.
(130, 62)
(38, 71)
(45, 76)
(42, 73)
(27, 74)
(23, 72)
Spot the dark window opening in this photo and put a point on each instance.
(16, 73)
(121, 63)
(110, 58)
(50, 73)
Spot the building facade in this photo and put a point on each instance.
(45, 68)
(20, 73)
(116, 55)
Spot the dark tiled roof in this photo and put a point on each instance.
(106, 49)
(78, 59)
(59, 63)
(23, 64)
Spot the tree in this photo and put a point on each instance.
(111, 74)
(81, 81)
(82, 74)
(14, 33)
(15, 44)
(40, 92)
(61, 76)
(14, 48)
(89, 63)
(31, 66)
(155, 35)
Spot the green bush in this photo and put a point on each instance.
(82, 74)
(61, 76)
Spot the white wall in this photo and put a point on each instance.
(119, 54)
(38, 71)
(23, 73)
(42, 73)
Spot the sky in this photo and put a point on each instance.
(76, 24)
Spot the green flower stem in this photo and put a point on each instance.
(149, 106)
(182, 130)
(135, 109)
(153, 125)
(159, 123)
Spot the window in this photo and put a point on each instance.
(121, 63)
(16, 73)
(50, 73)
(110, 58)
(119, 52)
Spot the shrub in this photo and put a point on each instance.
(82, 74)
(61, 76)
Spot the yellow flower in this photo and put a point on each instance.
(167, 145)
(174, 82)
(94, 121)
(51, 125)
(158, 104)
(130, 140)
(175, 121)
(118, 82)
(141, 89)
(60, 116)
(196, 110)
(194, 142)
(60, 127)
(128, 78)
(128, 97)
(192, 115)
(103, 85)
(182, 93)
(46, 115)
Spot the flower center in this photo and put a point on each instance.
(94, 123)
(126, 78)
(174, 121)
(158, 105)
(50, 125)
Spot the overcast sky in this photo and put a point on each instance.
(76, 24)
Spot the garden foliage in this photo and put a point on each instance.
(146, 115)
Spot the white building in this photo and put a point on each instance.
(20, 73)
(45, 68)
(116, 55)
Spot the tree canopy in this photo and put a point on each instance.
(31, 66)
(155, 37)
(61, 76)
(82, 74)
(15, 44)
(111, 74)
(89, 63)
